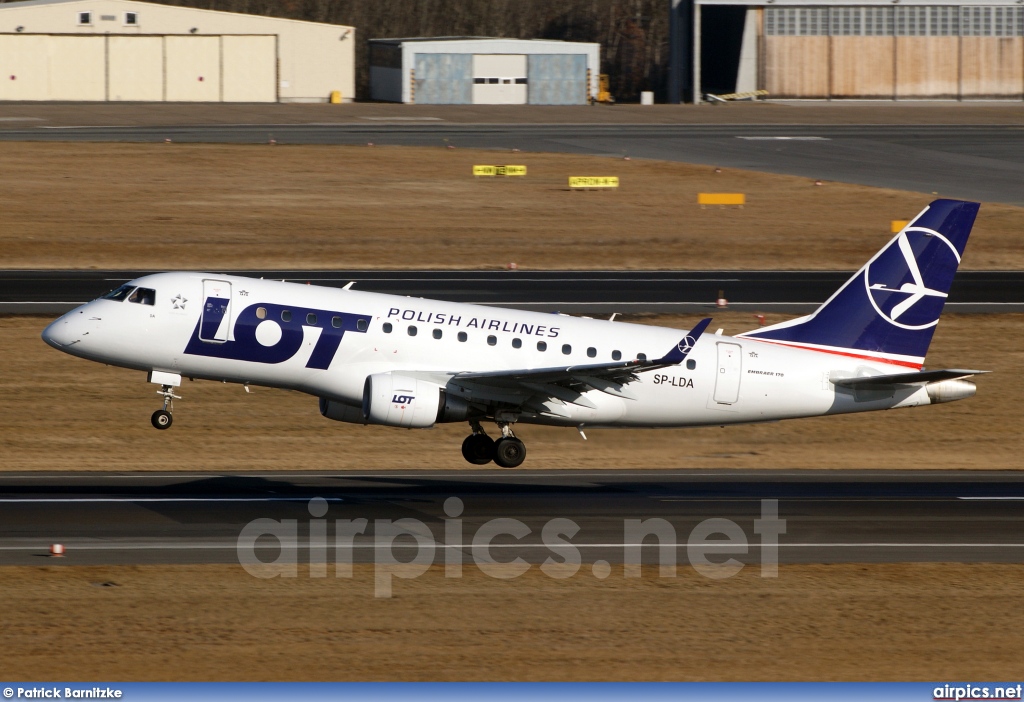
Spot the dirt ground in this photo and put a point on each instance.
(215, 207)
(64, 413)
(814, 622)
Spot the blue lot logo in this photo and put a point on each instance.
(906, 282)
(276, 336)
(403, 399)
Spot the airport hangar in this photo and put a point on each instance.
(871, 49)
(121, 50)
(483, 71)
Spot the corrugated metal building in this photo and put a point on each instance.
(889, 49)
(483, 71)
(99, 50)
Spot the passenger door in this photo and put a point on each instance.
(216, 322)
(727, 380)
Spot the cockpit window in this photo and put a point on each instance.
(143, 296)
(120, 293)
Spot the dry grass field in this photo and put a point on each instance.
(64, 413)
(940, 621)
(168, 206)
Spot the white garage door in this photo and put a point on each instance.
(47, 67)
(499, 79)
(192, 69)
(136, 69)
(250, 69)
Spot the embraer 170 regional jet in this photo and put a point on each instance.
(408, 362)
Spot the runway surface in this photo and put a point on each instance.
(976, 162)
(830, 516)
(582, 292)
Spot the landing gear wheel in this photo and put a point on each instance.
(162, 419)
(478, 449)
(509, 452)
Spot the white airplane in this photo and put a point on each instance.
(373, 358)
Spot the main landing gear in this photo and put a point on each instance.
(480, 449)
(162, 418)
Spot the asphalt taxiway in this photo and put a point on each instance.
(830, 516)
(578, 292)
(973, 162)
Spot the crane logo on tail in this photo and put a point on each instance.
(898, 288)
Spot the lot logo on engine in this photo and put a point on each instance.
(403, 400)
(270, 333)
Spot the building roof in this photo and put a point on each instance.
(138, 4)
(406, 40)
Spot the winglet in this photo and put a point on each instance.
(676, 355)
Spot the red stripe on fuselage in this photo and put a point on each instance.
(907, 364)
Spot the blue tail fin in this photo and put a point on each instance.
(889, 309)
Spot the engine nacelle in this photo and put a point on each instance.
(340, 412)
(400, 401)
(950, 390)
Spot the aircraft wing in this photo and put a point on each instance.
(537, 387)
(907, 378)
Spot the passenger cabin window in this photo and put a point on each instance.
(591, 352)
(261, 313)
(437, 333)
(120, 294)
(517, 343)
(412, 330)
(143, 296)
(690, 364)
(361, 324)
(463, 336)
(492, 340)
(387, 327)
(616, 355)
(542, 346)
(311, 319)
(566, 349)
(286, 315)
(336, 323)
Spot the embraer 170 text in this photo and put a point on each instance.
(408, 362)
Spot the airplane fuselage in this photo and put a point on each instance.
(327, 341)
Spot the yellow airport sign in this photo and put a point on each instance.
(721, 199)
(499, 170)
(593, 181)
(897, 225)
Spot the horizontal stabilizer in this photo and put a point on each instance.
(907, 378)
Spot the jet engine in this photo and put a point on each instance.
(340, 412)
(400, 401)
(950, 390)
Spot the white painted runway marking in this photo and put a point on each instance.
(190, 500)
(1008, 497)
(784, 138)
(302, 545)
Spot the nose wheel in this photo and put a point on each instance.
(162, 418)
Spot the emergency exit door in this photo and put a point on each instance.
(216, 322)
(727, 379)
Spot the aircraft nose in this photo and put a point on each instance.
(63, 331)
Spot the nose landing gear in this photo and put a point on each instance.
(162, 418)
